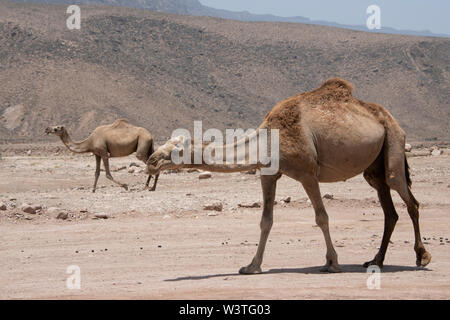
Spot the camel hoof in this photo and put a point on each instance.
(250, 270)
(330, 269)
(374, 262)
(425, 260)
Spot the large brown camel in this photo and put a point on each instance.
(119, 139)
(327, 135)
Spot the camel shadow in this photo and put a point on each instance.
(345, 268)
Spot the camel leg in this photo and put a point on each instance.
(148, 181)
(154, 183)
(396, 179)
(423, 257)
(97, 171)
(269, 185)
(311, 186)
(109, 176)
(376, 178)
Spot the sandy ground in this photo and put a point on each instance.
(164, 245)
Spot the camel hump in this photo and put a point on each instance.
(120, 122)
(338, 84)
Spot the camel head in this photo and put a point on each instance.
(161, 159)
(56, 130)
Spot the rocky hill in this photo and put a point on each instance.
(163, 71)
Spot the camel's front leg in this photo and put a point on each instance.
(269, 185)
(154, 183)
(97, 171)
(311, 186)
(109, 176)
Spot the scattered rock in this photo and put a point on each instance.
(436, 152)
(212, 214)
(254, 205)
(192, 170)
(62, 215)
(131, 170)
(328, 196)
(29, 153)
(120, 168)
(286, 200)
(420, 153)
(214, 207)
(204, 175)
(28, 209)
(3, 206)
(134, 164)
(101, 216)
(308, 202)
(408, 147)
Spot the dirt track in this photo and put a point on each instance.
(163, 245)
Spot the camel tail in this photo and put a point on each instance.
(409, 182)
(408, 177)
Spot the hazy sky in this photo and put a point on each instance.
(418, 15)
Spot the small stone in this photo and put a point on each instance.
(408, 147)
(101, 216)
(252, 171)
(134, 164)
(328, 196)
(436, 152)
(253, 205)
(213, 214)
(28, 209)
(286, 200)
(192, 170)
(62, 215)
(3, 206)
(29, 153)
(205, 175)
(131, 170)
(214, 207)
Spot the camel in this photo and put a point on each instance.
(118, 139)
(326, 135)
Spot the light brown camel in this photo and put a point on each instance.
(327, 135)
(119, 139)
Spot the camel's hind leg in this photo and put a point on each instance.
(154, 183)
(109, 176)
(397, 178)
(269, 185)
(375, 176)
(311, 186)
(97, 171)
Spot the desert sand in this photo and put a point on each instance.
(164, 245)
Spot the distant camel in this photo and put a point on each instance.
(119, 139)
(325, 135)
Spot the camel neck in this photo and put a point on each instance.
(77, 147)
(251, 152)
